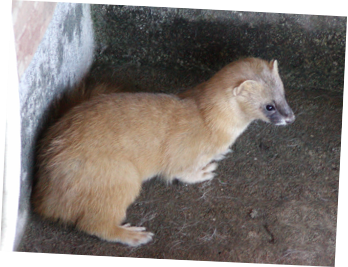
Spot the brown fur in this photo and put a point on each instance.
(93, 161)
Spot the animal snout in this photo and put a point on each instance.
(290, 118)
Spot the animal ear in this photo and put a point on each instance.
(243, 86)
(274, 66)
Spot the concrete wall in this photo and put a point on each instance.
(54, 45)
(310, 49)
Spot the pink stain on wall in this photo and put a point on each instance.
(30, 21)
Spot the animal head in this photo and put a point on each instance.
(260, 93)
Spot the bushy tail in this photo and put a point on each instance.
(84, 91)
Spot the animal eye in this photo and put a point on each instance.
(270, 107)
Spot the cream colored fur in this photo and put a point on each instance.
(93, 161)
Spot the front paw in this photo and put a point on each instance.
(204, 174)
(222, 155)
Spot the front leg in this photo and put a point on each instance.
(201, 175)
(222, 155)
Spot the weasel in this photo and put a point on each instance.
(94, 159)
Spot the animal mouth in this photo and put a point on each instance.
(285, 120)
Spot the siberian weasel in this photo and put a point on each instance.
(93, 161)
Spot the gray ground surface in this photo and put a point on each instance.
(274, 199)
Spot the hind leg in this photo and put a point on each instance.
(129, 235)
(107, 206)
(113, 232)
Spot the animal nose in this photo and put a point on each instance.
(290, 118)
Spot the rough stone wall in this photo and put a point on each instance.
(61, 59)
(205, 40)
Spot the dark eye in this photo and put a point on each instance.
(270, 107)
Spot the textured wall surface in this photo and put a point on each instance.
(309, 48)
(62, 58)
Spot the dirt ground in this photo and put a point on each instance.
(273, 200)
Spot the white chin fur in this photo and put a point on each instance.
(283, 122)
